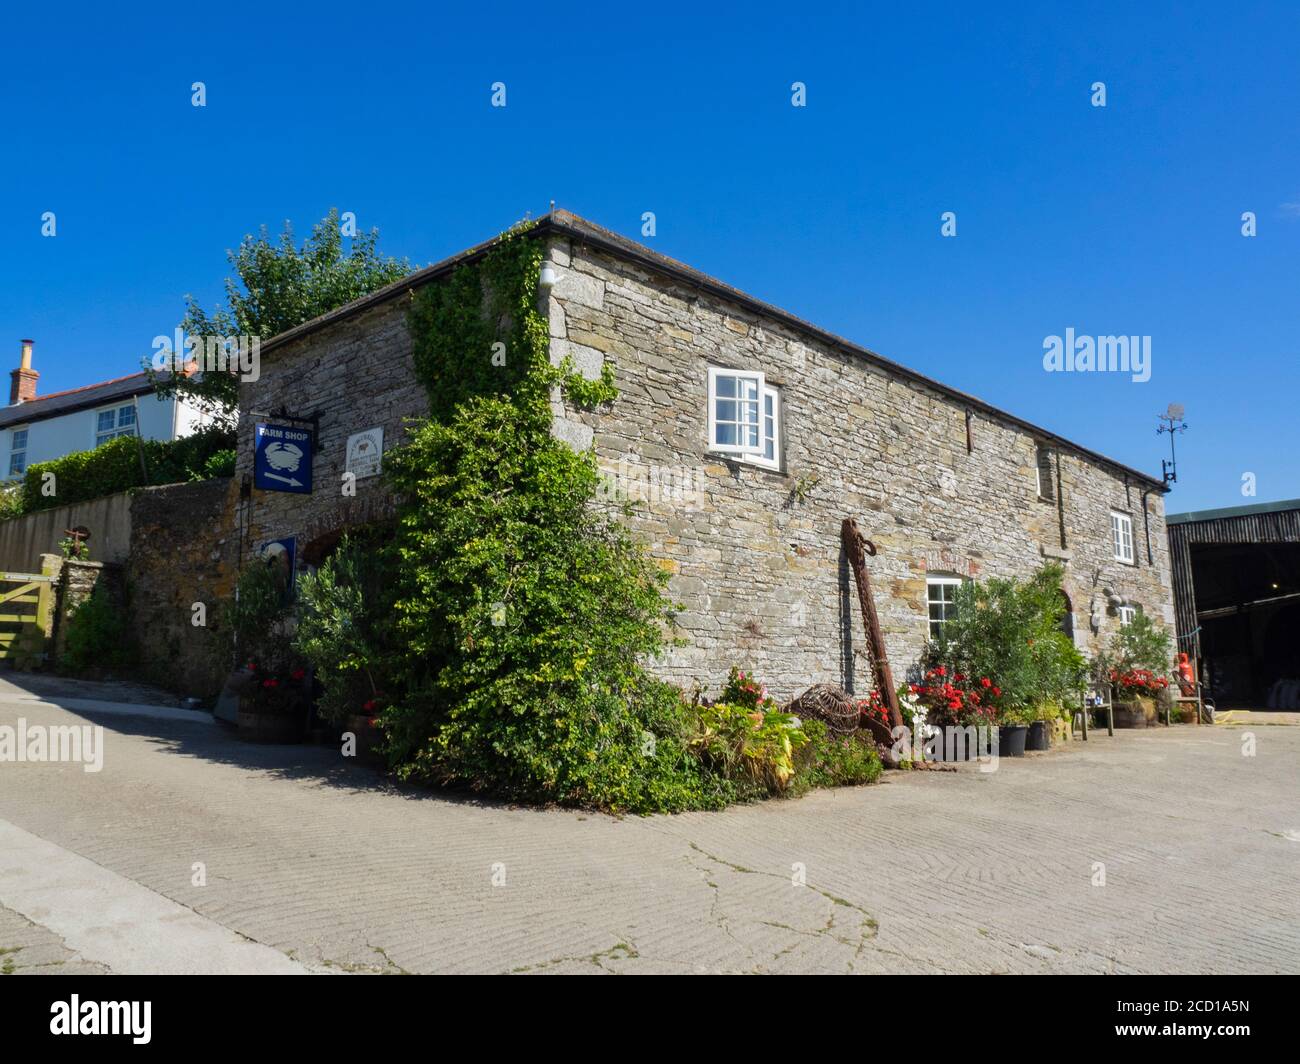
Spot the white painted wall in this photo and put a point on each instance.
(53, 437)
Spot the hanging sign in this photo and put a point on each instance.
(365, 453)
(283, 457)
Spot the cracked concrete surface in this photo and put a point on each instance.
(963, 872)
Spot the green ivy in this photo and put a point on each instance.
(523, 614)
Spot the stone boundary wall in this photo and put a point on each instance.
(24, 539)
(184, 550)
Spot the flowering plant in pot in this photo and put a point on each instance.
(274, 703)
(951, 699)
(875, 716)
(1136, 691)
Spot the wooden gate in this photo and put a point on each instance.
(26, 616)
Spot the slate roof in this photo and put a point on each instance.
(56, 404)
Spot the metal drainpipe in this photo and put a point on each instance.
(1146, 526)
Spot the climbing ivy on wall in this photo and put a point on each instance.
(480, 334)
(523, 613)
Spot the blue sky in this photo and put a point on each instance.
(1115, 220)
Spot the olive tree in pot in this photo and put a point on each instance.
(1136, 665)
(274, 691)
(1010, 631)
(345, 632)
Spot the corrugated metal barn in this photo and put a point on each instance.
(1236, 576)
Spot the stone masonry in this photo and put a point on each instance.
(942, 484)
(755, 554)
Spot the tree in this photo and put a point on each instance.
(278, 286)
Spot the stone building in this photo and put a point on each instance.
(748, 436)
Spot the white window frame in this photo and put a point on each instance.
(102, 436)
(938, 581)
(1127, 615)
(16, 452)
(1121, 536)
(754, 454)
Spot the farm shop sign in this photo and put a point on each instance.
(282, 461)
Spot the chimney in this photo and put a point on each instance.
(24, 378)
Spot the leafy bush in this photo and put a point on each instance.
(753, 746)
(1140, 645)
(523, 614)
(344, 628)
(257, 619)
(115, 466)
(97, 637)
(219, 464)
(1009, 631)
(829, 761)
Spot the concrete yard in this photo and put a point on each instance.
(313, 863)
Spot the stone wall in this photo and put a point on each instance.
(75, 582)
(24, 539)
(356, 374)
(755, 554)
(184, 550)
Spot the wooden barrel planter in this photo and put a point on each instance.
(367, 738)
(1135, 713)
(272, 717)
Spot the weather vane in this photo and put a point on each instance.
(1172, 423)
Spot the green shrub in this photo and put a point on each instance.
(752, 746)
(219, 464)
(256, 619)
(115, 466)
(827, 760)
(523, 614)
(344, 627)
(1009, 631)
(1140, 645)
(97, 637)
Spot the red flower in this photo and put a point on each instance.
(270, 683)
(370, 706)
(985, 682)
(997, 692)
(297, 674)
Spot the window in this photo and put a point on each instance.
(744, 417)
(1127, 614)
(1044, 477)
(1121, 531)
(940, 593)
(18, 453)
(114, 422)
